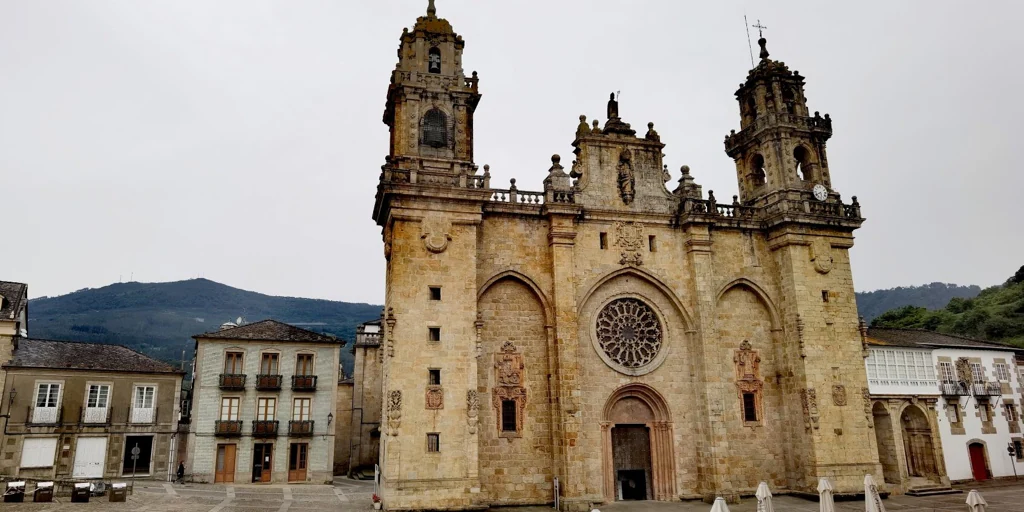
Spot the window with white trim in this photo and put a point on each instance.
(99, 396)
(38, 452)
(229, 408)
(1002, 372)
(144, 396)
(900, 367)
(948, 373)
(300, 409)
(266, 409)
(977, 373)
(48, 395)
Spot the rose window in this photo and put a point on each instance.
(629, 332)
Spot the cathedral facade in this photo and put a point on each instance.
(612, 336)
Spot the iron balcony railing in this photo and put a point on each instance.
(268, 382)
(302, 428)
(228, 428)
(232, 381)
(986, 389)
(45, 415)
(953, 389)
(264, 428)
(304, 382)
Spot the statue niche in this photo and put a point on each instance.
(509, 399)
(749, 384)
(627, 182)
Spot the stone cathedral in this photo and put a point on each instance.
(623, 336)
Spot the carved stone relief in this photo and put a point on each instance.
(435, 397)
(509, 380)
(627, 182)
(838, 395)
(629, 332)
(821, 256)
(394, 412)
(809, 399)
(629, 238)
(472, 410)
(866, 394)
(436, 234)
(748, 376)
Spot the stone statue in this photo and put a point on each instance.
(651, 133)
(626, 180)
(613, 107)
(597, 128)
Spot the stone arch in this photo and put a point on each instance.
(917, 442)
(523, 278)
(635, 405)
(650, 279)
(886, 441)
(759, 292)
(980, 457)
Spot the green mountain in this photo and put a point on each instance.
(996, 314)
(930, 296)
(158, 319)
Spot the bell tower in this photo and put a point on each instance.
(430, 102)
(780, 149)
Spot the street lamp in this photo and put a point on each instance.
(14, 393)
(330, 418)
(1013, 463)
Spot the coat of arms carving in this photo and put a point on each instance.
(821, 255)
(629, 237)
(394, 412)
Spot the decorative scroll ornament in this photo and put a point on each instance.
(629, 237)
(472, 410)
(809, 399)
(436, 234)
(394, 412)
(629, 332)
(434, 398)
(821, 255)
(838, 395)
(963, 370)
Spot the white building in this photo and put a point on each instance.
(263, 405)
(946, 408)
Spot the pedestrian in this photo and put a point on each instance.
(181, 472)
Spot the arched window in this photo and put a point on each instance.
(789, 100)
(757, 170)
(803, 163)
(434, 60)
(435, 129)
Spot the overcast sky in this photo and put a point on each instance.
(242, 140)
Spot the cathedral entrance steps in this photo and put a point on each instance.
(363, 473)
(924, 487)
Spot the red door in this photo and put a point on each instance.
(977, 453)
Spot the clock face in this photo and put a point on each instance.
(820, 192)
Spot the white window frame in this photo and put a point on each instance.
(47, 413)
(142, 414)
(302, 412)
(948, 372)
(886, 366)
(40, 451)
(1002, 371)
(234, 405)
(978, 373)
(96, 413)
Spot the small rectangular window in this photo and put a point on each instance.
(824, 295)
(651, 244)
(435, 293)
(749, 407)
(233, 363)
(954, 412)
(604, 240)
(433, 334)
(433, 442)
(1002, 372)
(434, 377)
(508, 415)
(1018, 447)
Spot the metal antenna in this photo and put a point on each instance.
(749, 47)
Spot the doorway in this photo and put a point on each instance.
(917, 442)
(631, 454)
(141, 465)
(262, 461)
(298, 458)
(225, 469)
(90, 454)
(886, 443)
(979, 468)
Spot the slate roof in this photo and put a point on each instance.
(74, 355)
(13, 295)
(270, 330)
(920, 338)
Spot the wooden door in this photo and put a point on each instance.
(298, 458)
(262, 462)
(225, 468)
(978, 467)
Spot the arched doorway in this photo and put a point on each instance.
(979, 460)
(886, 443)
(638, 455)
(917, 442)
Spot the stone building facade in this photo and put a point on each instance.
(359, 406)
(78, 410)
(264, 403)
(628, 340)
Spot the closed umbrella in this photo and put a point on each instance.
(825, 501)
(719, 505)
(975, 503)
(872, 501)
(764, 498)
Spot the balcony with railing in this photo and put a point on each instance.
(232, 381)
(227, 428)
(143, 415)
(268, 382)
(303, 428)
(953, 389)
(986, 389)
(264, 428)
(95, 415)
(303, 382)
(45, 415)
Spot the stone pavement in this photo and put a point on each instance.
(345, 494)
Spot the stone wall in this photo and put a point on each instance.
(343, 428)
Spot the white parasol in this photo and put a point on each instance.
(719, 505)
(872, 501)
(764, 498)
(975, 503)
(825, 501)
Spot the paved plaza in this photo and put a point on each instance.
(355, 495)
